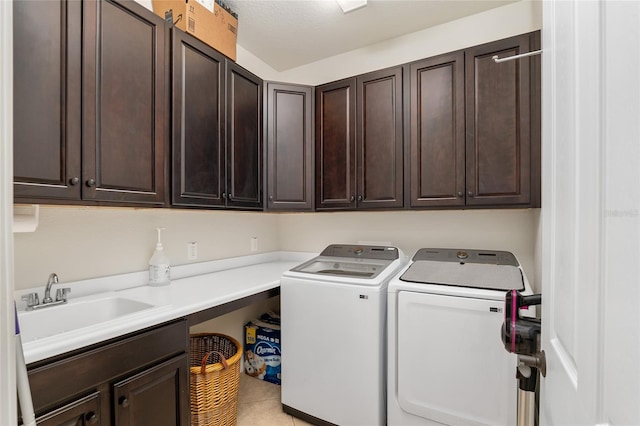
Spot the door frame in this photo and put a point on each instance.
(8, 405)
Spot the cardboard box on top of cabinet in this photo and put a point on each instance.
(262, 348)
(205, 20)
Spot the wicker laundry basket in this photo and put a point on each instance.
(214, 361)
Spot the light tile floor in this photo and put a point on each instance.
(259, 405)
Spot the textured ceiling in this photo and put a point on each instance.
(289, 33)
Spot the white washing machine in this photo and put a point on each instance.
(333, 328)
(446, 361)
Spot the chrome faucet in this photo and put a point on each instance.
(61, 295)
(53, 279)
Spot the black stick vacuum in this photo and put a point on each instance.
(521, 336)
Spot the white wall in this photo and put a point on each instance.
(502, 22)
(85, 242)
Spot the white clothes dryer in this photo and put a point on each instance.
(333, 329)
(446, 361)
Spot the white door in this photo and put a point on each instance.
(591, 213)
(8, 410)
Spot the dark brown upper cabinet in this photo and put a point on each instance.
(244, 138)
(217, 129)
(123, 103)
(436, 149)
(359, 142)
(47, 112)
(475, 127)
(503, 124)
(90, 103)
(289, 147)
(198, 123)
(335, 145)
(379, 139)
(91, 122)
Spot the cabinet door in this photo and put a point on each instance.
(502, 106)
(437, 132)
(335, 145)
(156, 396)
(83, 412)
(55, 383)
(244, 138)
(379, 139)
(198, 130)
(124, 128)
(289, 147)
(46, 64)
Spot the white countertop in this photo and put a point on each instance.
(193, 288)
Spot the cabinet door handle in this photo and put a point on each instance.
(91, 183)
(352, 199)
(224, 195)
(470, 193)
(74, 181)
(270, 197)
(359, 197)
(91, 418)
(460, 194)
(123, 402)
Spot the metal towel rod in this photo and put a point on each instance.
(522, 55)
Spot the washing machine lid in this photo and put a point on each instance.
(352, 261)
(482, 269)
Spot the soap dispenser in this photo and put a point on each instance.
(159, 268)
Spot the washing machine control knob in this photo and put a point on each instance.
(358, 250)
(462, 254)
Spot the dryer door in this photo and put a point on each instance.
(452, 366)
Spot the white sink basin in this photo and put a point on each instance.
(76, 314)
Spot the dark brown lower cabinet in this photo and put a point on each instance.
(139, 379)
(151, 397)
(84, 411)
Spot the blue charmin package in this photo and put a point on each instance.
(262, 348)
